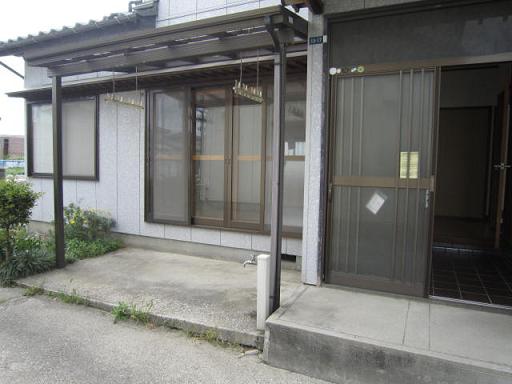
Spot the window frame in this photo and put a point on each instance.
(30, 140)
(226, 223)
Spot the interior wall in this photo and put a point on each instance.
(463, 162)
(468, 99)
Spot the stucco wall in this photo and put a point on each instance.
(120, 189)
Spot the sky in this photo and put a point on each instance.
(23, 17)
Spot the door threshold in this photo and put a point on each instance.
(472, 304)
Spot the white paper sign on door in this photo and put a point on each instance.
(376, 202)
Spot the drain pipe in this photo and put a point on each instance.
(281, 38)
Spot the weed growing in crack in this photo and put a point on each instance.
(212, 337)
(33, 291)
(72, 298)
(123, 311)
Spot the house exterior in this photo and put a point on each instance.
(187, 166)
(13, 147)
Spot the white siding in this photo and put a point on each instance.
(177, 11)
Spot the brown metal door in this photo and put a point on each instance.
(381, 179)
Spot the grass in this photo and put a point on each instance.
(14, 171)
(72, 298)
(123, 312)
(33, 291)
(140, 314)
(212, 337)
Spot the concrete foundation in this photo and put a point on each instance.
(356, 337)
(216, 252)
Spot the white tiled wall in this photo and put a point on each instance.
(120, 189)
(178, 11)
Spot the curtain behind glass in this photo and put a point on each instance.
(169, 152)
(79, 137)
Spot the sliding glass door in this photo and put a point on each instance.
(247, 146)
(209, 158)
(168, 150)
(228, 148)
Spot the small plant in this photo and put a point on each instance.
(211, 336)
(86, 224)
(121, 312)
(33, 291)
(72, 298)
(16, 203)
(124, 311)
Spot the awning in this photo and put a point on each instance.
(214, 39)
(216, 71)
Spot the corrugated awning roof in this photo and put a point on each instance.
(19, 45)
(215, 38)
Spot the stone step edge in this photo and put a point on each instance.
(248, 339)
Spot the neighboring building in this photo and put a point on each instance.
(12, 147)
(391, 104)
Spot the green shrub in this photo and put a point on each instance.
(16, 203)
(29, 257)
(82, 249)
(85, 224)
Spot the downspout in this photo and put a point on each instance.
(281, 38)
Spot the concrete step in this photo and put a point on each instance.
(230, 335)
(354, 337)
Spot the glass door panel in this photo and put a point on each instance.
(209, 154)
(248, 145)
(170, 156)
(381, 179)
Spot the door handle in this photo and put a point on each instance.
(501, 166)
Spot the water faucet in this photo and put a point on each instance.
(251, 261)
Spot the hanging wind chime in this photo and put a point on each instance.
(131, 102)
(254, 93)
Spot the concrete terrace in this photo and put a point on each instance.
(348, 336)
(186, 292)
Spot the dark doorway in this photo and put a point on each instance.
(471, 254)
